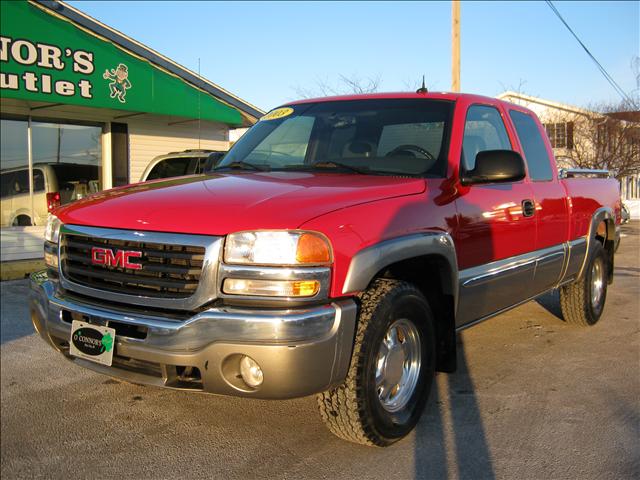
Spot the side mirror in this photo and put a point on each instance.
(495, 166)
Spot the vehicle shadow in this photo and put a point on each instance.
(450, 441)
(550, 301)
(627, 271)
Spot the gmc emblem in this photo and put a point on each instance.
(105, 256)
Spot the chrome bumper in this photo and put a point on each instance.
(301, 351)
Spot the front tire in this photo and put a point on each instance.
(392, 368)
(582, 301)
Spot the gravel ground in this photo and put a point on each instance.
(533, 399)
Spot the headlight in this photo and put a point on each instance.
(52, 231)
(277, 248)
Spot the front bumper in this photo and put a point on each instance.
(301, 351)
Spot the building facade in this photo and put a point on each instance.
(85, 108)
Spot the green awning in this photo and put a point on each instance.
(47, 58)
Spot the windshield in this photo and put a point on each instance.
(377, 137)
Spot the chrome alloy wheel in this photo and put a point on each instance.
(597, 283)
(398, 365)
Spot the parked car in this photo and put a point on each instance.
(338, 249)
(54, 184)
(625, 214)
(177, 164)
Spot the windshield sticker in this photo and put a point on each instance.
(278, 113)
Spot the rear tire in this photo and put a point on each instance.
(391, 371)
(582, 301)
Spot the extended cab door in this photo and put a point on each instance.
(494, 236)
(551, 208)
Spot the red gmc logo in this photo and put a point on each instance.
(105, 256)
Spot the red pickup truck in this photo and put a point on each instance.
(336, 250)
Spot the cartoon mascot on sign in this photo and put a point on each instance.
(119, 81)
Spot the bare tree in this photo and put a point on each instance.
(604, 136)
(343, 86)
(635, 68)
(519, 88)
(359, 86)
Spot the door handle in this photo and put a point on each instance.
(528, 208)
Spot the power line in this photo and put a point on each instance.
(604, 72)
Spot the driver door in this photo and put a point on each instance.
(494, 238)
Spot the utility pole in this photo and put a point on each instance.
(455, 45)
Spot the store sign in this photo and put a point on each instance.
(47, 58)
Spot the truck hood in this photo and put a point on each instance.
(218, 204)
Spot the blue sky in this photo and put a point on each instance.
(264, 51)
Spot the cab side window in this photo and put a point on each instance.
(483, 130)
(535, 151)
(21, 184)
(7, 182)
(17, 183)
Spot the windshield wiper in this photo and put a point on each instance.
(332, 164)
(240, 165)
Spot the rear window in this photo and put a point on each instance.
(535, 151)
(424, 135)
(171, 167)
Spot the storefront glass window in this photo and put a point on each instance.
(14, 179)
(60, 143)
(66, 167)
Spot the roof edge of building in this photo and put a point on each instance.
(128, 43)
(543, 101)
(632, 116)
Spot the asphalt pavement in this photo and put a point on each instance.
(533, 399)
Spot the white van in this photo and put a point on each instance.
(54, 184)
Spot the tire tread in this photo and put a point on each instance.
(340, 408)
(574, 300)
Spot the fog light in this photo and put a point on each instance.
(251, 372)
(271, 288)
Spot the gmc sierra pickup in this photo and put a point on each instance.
(336, 250)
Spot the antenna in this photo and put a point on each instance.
(423, 88)
(199, 96)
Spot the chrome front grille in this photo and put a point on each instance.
(176, 271)
(168, 271)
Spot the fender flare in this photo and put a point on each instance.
(367, 263)
(602, 214)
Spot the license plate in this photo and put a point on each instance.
(92, 342)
